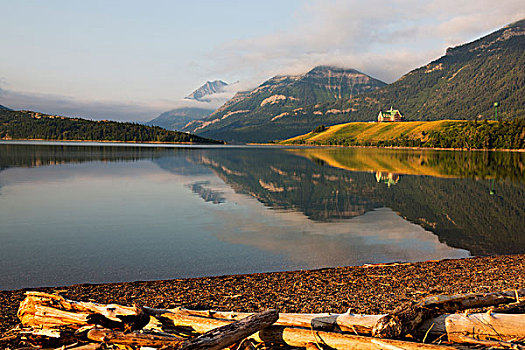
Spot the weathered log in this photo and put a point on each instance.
(109, 336)
(405, 319)
(227, 335)
(496, 326)
(90, 346)
(506, 326)
(8, 338)
(302, 337)
(347, 322)
(297, 336)
(489, 343)
(43, 310)
(217, 338)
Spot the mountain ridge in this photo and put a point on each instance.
(283, 96)
(462, 84)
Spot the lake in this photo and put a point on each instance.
(94, 213)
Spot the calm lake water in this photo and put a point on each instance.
(75, 213)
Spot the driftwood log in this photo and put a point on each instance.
(43, 310)
(108, 336)
(48, 315)
(296, 337)
(503, 327)
(347, 322)
(227, 335)
(488, 325)
(405, 319)
(214, 339)
(300, 337)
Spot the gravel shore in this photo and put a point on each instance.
(363, 289)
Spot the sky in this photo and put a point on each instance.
(132, 60)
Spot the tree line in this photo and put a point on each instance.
(31, 125)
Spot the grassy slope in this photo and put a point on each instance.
(461, 134)
(373, 132)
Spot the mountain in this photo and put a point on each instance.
(462, 84)
(4, 108)
(210, 88)
(277, 108)
(32, 125)
(177, 118)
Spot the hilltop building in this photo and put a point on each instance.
(387, 177)
(392, 115)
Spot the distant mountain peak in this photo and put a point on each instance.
(5, 108)
(209, 88)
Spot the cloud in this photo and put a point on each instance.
(111, 110)
(214, 101)
(72, 107)
(382, 38)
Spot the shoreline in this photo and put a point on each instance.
(402, 147)
(280, 145)
(371, 289)
(116, 141)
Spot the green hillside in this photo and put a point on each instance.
(508, 134)
(32, 125)
(463, 84)
(265, 112)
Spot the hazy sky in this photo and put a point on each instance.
(131, 60)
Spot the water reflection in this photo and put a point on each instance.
(478, 206)
(460, 164)
(148, 213)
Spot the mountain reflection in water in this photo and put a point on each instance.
(191, 211)
(471, 200)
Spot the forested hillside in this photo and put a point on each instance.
(32, 125)
(463, 84)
